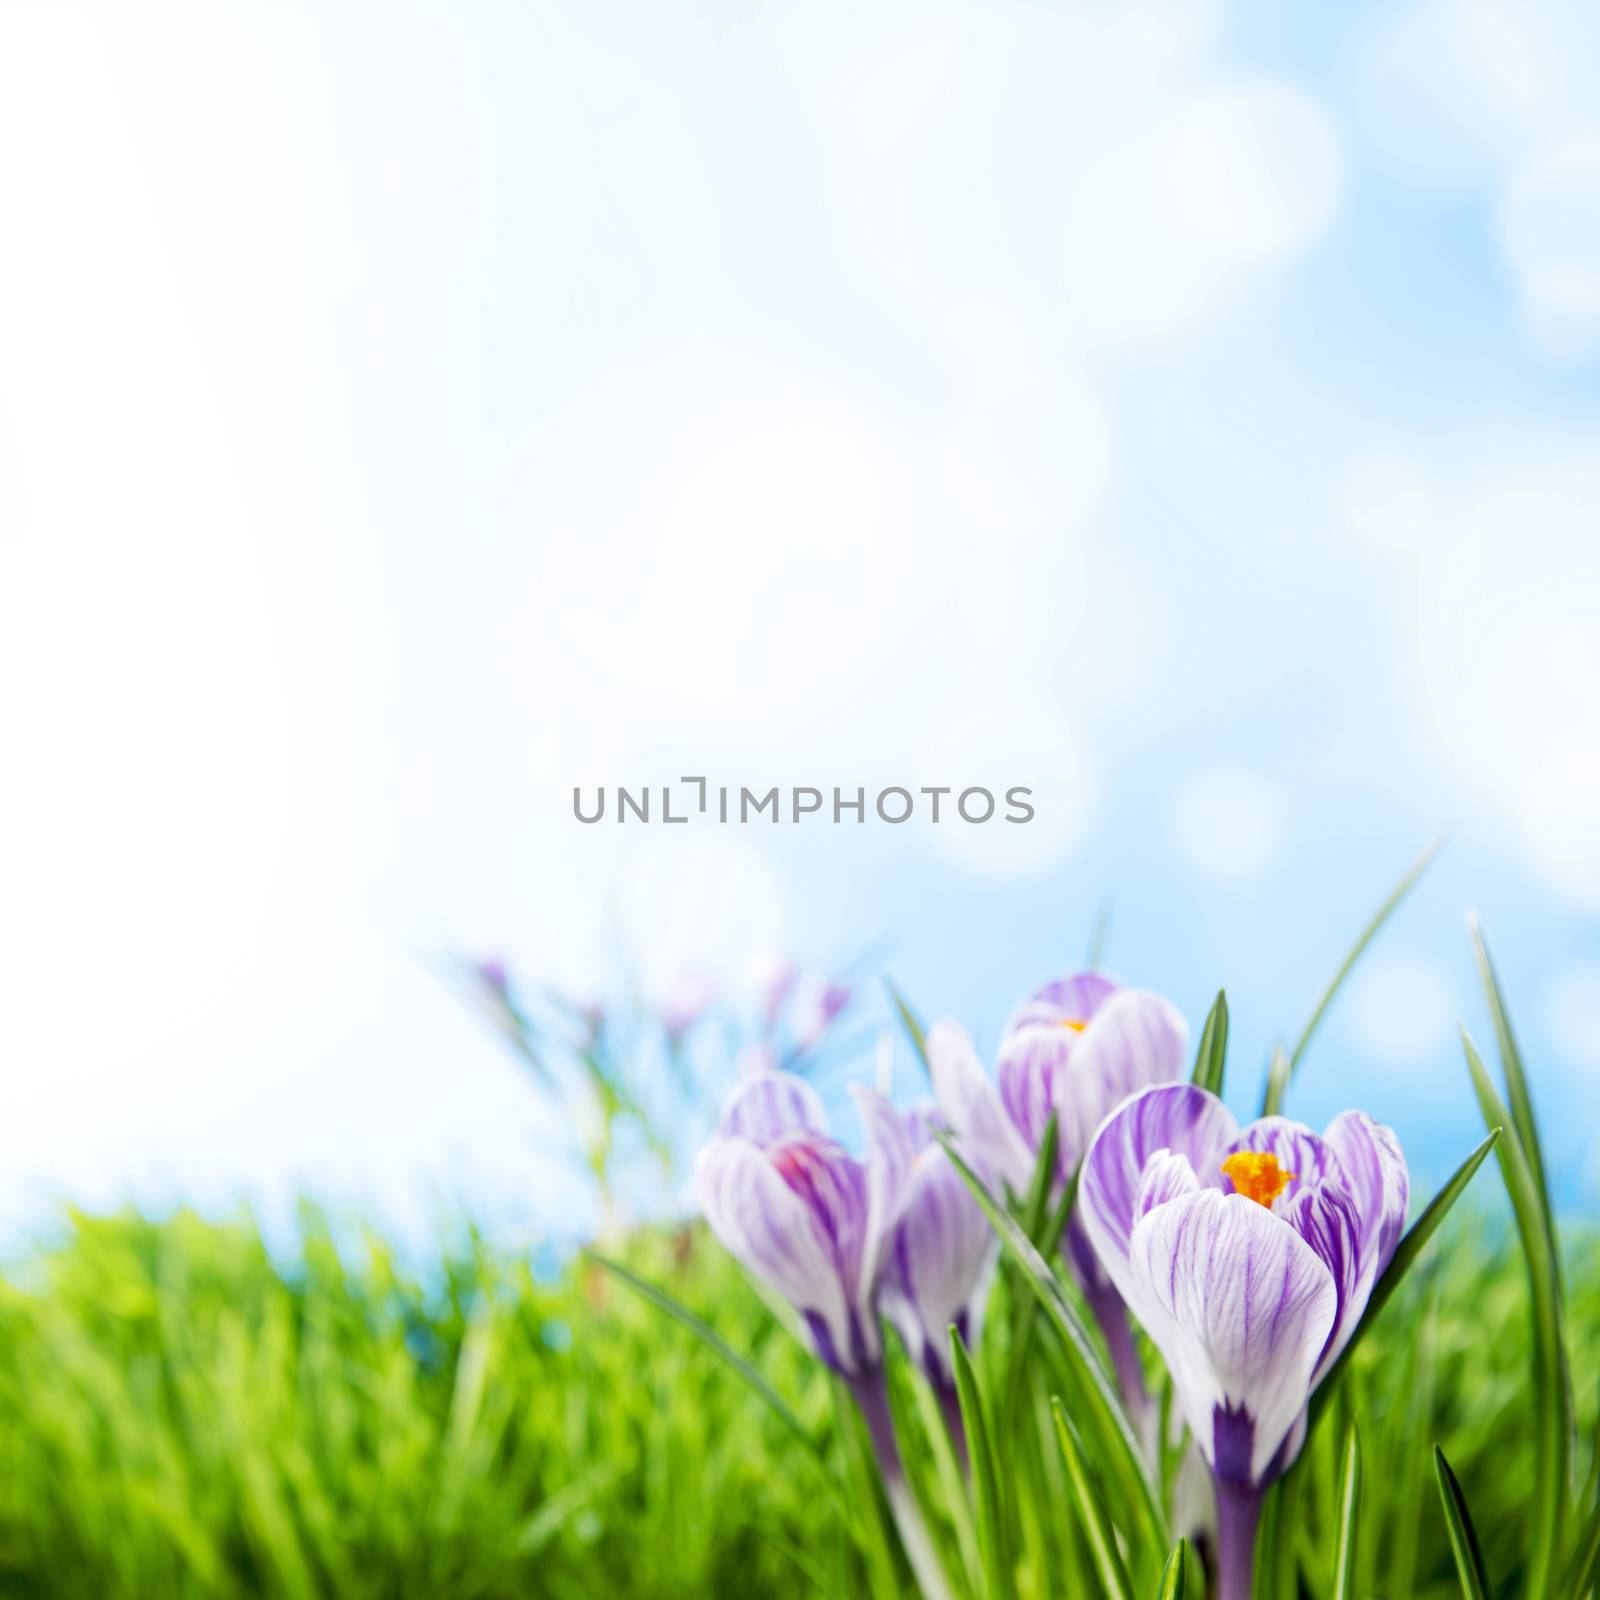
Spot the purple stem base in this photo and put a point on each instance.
(1238, 1511)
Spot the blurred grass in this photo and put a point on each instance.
(186, 1415)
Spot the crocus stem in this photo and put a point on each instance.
(950, 1405)
(872, 1397)
(1238, 1511)
(1112, 1316)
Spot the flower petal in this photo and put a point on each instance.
(891, 1151)
(972, 1106)
(1136, 1038)
(1298, 1150)
(1167, 1176)
(1171, 1116)
(1326, 1219)
(1035, 1079)
(766, 1107)
(764, 1224)
(939, 1263)
(1075, 998)
(1378, 1182)
(1240, 1307)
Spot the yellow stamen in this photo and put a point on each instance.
(1257, 1176)
(1076, 1026)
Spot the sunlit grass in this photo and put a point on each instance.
(186, 1416)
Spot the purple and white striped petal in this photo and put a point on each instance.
(781, 1236)
(1167, 1176)
(1135, 1039)
(1326, 1219)
(1298, 1150)
(938, 1265)
(1240, 1307)
(1178, 1117)
(891, 1151)
(767, 1107)
(1075, 998)
(1378, 1182)
(1033, 1068)
(972, 1108)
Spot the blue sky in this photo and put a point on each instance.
(411, 412)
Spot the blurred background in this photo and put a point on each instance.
(410, 412)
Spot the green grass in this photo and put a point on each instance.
(185, 1416)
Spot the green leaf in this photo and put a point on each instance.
(715, 1343)
(1172, 1575)
(1367, 935)
(1518, 1097)
(1092, 1518)
(909, 1021)
(1344, 1555)
(1400, 1264)
(1552, 1394)
(1463, 1537)
(985, 1474)
(1036, 1207)
(1585, 1561)
(1095, 1402)
(1212, 1056)
(1098, 935)
(1277, 1082)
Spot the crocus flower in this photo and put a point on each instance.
(683, 1002)
(802, 1213)
(815, 1223)
(1249, 1258)
(938, 1265)
(1075, 1049)
(816, 1006)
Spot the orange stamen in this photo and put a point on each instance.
(1076, 1026)
(1257, 1176)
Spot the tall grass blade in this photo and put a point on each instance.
(1518, 1098)
(1095, 1402)
(1400, 1264)
(1585, 1561)
(1211, 1058)
(1463, 1537)
(1367, 935)
(1174, 1573)
(715, 1343)
(1098, 936)
(909, 1020)
(1278, 1070)
(1348, 1529)
(1552, 1395)
(1092, 1518)
(992, 1542)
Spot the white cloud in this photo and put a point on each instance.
(1550, 233)
(1228, 823)
(1401, 1009)
(1573, 1008)
(1255, 171)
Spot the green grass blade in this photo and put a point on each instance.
(1551, 1391)
(1404, 1258)
(1367, 935)
(1211, 1058)
(1518, 1099)
(992, 1542)
(1278, 1071)
(909, 1020)
(1344, 1554)
(1173, 1574)
(1092, 1516)
(1036, 1208)
(1115, 1446)
(1585, 1561)
(1463, 1537)
(1098, 936)
(714, 1342)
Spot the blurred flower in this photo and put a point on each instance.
(802, 1213)
(1248, 1258)
(683, 1002)
(939, 1263)
(818, 1003)
(1074, 1049)
(773, 977)
(756, 1058)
